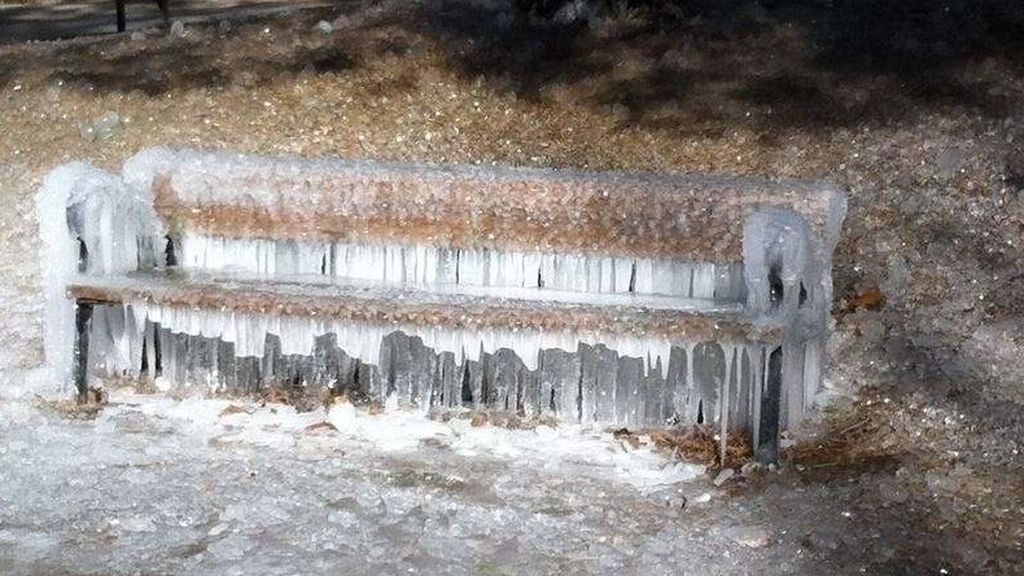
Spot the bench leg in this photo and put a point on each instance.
(83, 313)
(121, 19)
(150, 346)
(767, 449)
(165, 13)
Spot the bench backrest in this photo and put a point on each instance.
(675, 234)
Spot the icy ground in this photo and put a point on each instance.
(202, 486)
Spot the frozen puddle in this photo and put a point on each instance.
(560, 450)
(160, 486)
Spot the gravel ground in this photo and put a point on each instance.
(917, 109)
(28, 20)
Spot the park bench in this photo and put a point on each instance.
(612, 298)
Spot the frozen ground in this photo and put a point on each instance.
(160, 486)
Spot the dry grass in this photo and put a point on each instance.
(698, 443)
(74, 410)
(498, 418)
(856, 439)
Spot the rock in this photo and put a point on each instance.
(177, 29)
(138, 524)
(325, 27)
(322, 426)
(573, 12)
(724, 476)
(702, 498)
(950, 162)
(891, 491)
(868, 325)
(137, 36)
(224, 27)
(232, 548)
(505, 19)
(750, 469)
(826, 538)
(342, 21)
(677, 501)
(749, 536)
(897, 277)
(786, 439)
(234, 409)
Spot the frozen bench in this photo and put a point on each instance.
(616, 298)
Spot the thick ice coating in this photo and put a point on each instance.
(597, 297)
(90, 222)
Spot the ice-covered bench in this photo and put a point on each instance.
(629, 299)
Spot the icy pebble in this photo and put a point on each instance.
(750, 468)
(702, 498)
(749, 536)
(724, 476)
(218, 529)
(949, 162)
(505, 19)
(177, 29)
(137, 36)
(892, 492)
(825, 538)
(325, 27)
(230, 549)
(138, 524)
(676, 502)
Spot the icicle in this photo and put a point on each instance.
(620, 375)
(704, 281)
(724, 404)
(427, 265)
